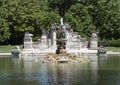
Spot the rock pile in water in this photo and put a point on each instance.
(61, 58)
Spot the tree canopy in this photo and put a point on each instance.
(85, 16)
(80, 19)
(4, 26)
(61, 6)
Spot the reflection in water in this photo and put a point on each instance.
(14, 71)
(58, 74)
(75, 73)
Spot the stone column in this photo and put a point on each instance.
(28, 43)
(79, 40)
(41, 43)
(67, 38)
(54, 39)
(94, 41)
(44, 41)
(49, 43)
(93, 44)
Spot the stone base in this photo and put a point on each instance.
(96, 48)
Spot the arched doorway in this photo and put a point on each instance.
(60, 40)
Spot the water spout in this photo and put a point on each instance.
(61, 21)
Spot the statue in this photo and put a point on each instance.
(94, 35)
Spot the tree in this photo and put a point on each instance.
(22, 14)
(4, 26)
(85, 16)
(106, 17)
(80, 19)
(61, 6)
(28, 16)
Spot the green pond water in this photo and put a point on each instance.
(14, 71)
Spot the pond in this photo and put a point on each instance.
(14, 71)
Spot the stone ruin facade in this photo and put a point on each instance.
(71, 41)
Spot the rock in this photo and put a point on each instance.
(54, 58)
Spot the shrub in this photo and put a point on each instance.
(103, 42)
(114, 42)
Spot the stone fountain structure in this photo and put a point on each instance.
(59, 36)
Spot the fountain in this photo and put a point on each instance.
(61, 40)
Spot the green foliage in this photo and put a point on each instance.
(80, 19)
(114, 42)
(35, 38)
(4, 26)
(43, 5)
(46, 19)
(28, 15)
(85, 16)
(61, 6)
(106, 17)
(22, 14)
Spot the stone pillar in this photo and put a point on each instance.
(44, 41)
(67, 44)
(54, 39)
(42, 44)
(94, 41)
(93, 44)
(67, 39)
(28, 43)
(49, 43)
(79, 40)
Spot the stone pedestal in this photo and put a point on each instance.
(93, 44)
(44, 43)
(49, 43)
(94, 41)
(54, 39)
(67, 39)
(28, 43)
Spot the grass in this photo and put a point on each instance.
(7, 48)
(114, 49)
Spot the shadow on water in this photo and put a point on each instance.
(14, 71)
